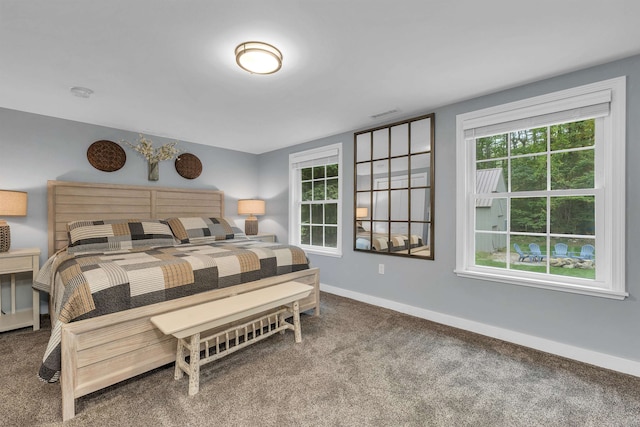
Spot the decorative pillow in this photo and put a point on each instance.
(109, 235)
(197, 229)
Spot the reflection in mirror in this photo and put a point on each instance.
(394, 197)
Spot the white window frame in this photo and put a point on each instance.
(609, 186)
(309, 157)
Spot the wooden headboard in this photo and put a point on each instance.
(71, 201)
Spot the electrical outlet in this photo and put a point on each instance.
(380, 268)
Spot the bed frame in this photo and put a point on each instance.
(105, 350)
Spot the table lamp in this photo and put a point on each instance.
(12, 203)
(361, 213)
(251, 207)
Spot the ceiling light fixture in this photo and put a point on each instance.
(81, 92)
(258, 57)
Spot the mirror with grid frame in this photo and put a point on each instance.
(394, 188)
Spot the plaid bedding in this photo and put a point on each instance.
(96, 284)
(382, 243)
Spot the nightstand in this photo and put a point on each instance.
(263, 237)
(18, 261)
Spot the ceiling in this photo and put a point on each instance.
(167, 68)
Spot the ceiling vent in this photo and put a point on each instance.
(386, 113)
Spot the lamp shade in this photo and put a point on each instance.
(251, 207)
(13, 203)
(362, 212)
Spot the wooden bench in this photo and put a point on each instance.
(272, 305)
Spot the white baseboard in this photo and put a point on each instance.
(602, 360)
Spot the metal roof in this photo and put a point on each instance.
(487, 181)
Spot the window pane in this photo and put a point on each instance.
(573, 257)
(317, 214)
(573, 135)
(331, 213)
(317, 238)
(332, 170)
(307, 191)
(332, 189)
(318, 172)
(491, 147)
(572, 170)
(491, 214)
(331, 237)
(573, 215)
(305, 235)
(529, 173)
(306, 174)
(528, 141)
(490, 250)
(318, 190)
(532, 255)
(529, 214)
(305, 214)
(491, 179)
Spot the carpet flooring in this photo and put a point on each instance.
(358, 365)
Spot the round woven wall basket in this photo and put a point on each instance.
(106, 156)
(188, 166)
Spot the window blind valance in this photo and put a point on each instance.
(316, 158)
(582, 107)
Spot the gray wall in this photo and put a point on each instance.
(598, 324)
(36, 148)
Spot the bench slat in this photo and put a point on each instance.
(188, 321)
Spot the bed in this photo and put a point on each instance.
(96, 352)
(383, 242)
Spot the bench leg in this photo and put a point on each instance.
(178, 372)
(194, 365)
(296, 321)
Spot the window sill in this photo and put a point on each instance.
(576, 289)
(315, 251)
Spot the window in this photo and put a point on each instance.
(540, 196)
(316, 200)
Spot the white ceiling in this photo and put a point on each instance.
(167, 67)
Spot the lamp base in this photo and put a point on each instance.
(5, 238)
(251, 226)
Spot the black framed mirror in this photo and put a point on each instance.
(394, 188)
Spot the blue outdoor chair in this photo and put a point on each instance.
(522, 255)
(586, 252)
(536, 254)
(560, 250)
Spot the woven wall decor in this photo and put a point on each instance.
(106, 156)
(188, 166)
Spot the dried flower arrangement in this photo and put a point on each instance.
(154, 155)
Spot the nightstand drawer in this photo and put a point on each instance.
(15, 264)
